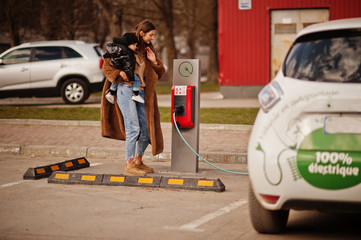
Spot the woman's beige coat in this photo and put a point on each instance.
(112, 125)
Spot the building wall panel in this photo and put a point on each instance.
(244, 36)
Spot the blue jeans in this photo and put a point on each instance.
(135, 121)
(136, 84)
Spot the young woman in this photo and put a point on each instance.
(136, 123)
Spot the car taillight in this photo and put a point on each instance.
(271, 199)
(269, 96)
(101, 61)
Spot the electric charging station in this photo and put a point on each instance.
(186, 103)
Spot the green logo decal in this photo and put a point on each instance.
(185, 69)
(330, 161)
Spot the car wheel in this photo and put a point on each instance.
(74, 91)
(263, 220)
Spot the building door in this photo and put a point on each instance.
(285, 24)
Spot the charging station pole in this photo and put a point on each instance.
(186, 72)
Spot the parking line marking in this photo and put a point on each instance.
(13, 183)
(192, 226)
(95, 164)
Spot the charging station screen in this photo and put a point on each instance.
(180, 98)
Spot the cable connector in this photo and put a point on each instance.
(178, 109)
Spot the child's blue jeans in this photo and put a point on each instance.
(136, 84)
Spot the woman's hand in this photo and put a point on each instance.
(124, 76)
(151, 55)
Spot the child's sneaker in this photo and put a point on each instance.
(137, 98)
(110, 97)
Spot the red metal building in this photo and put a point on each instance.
(254, 36)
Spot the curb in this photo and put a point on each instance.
(39, 122)
(137, 181)
(75, 123)
(103, 153)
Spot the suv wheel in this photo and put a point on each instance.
(263, 220)
(74, 91)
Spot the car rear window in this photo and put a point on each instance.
(98, 51)
(71, 53)
(332, 56)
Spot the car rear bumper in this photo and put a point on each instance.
(332, 206)
(292, 175)
(97, 87)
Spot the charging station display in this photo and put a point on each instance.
(183, 104)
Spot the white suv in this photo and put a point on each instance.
(71, 69)
(305, 148)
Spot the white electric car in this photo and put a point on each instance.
(305, 148)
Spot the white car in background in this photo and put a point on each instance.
(70, 69)
(305, 147)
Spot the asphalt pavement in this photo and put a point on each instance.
(49, 138)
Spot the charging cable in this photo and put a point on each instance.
(219, 168)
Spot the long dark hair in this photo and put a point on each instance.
(144, 26)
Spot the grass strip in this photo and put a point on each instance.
(245, 116)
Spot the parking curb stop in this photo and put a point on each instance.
(47, 170)
(137, 181)
(71, 178)
(193, 183)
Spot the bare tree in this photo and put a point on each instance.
(19, 17)
(98, 26)
(83, 19)
(212, 74)
(75, 17)
(113, 14)
(13, 22)
(195, 20)
(51, 20)
(200, 29)
(165, 7)
(79, 19)
(188, 26)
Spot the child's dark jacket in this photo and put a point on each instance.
(122, 58)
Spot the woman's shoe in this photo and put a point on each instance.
(141, 166)
(132, 169)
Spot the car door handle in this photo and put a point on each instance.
(23, 69)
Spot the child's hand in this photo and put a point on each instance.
(124, 76)
(151, 55)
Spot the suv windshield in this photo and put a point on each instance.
(332, 56)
